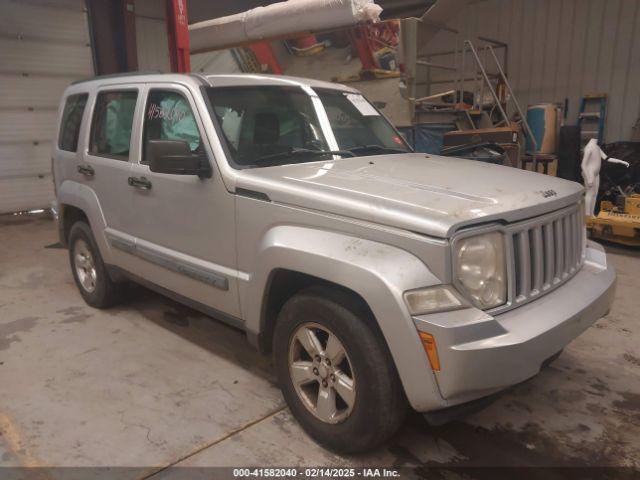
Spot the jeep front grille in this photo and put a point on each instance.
(543, 253)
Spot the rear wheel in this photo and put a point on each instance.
(336, 372)
(89, 272)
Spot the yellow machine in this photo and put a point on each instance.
(619, 222)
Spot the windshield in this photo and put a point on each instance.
(275, 125)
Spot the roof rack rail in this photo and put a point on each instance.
(117, 75)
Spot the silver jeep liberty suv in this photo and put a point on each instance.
(380, 279)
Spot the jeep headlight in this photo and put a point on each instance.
(480, 269)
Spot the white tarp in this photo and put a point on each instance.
(278, 20)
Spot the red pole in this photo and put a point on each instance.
(178, 33)
(130, 35)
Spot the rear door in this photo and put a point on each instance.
(184, 225)
(104, 165)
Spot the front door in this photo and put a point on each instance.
(183, 224)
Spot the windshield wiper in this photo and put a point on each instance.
(379, 148)
(294, 151)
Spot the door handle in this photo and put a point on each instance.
(140, 182)
(86, 170)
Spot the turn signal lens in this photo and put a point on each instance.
(429, 344)
(433, 299)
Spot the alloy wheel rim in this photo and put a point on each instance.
(321, 373)
(84, 265)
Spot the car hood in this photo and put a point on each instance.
(430, 194)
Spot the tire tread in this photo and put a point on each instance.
(107, 292)
(386, 406)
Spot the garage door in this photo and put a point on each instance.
(44, 46)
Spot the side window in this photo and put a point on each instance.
(71, 121)
(111, 125)
(168, 116)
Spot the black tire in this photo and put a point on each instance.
(380, 405)
(105, 292)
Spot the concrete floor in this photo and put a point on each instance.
(154, 384)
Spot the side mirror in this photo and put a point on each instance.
(175, 157)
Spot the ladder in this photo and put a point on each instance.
(246, 59)
(591, 118)
(468, 46)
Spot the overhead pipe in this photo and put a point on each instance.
(280, 20)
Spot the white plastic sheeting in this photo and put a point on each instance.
(280, 19)
(590, 166)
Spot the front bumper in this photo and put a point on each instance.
(480, 354)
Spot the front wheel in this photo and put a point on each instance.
(336, 372)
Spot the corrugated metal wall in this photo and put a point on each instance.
(219, 61)
(44, 46)
(152, 43)
(566, 48)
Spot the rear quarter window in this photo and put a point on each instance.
(71, 122)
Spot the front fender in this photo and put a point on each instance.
(379, 273)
